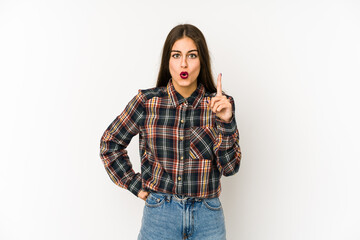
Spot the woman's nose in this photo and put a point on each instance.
(183, 62)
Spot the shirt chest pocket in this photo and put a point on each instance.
(202, 140)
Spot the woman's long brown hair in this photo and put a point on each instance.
(178, 32)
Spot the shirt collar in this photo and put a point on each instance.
(176, 98)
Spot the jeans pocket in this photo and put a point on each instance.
(212, 203)
(154, 200)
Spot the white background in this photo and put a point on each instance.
(68, 68)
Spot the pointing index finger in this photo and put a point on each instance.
(218, 85)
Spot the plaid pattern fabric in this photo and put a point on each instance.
(184, 147)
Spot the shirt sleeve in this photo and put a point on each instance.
(115, 140)
(226, 147)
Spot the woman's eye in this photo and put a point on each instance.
(176, 55)
(192, 55)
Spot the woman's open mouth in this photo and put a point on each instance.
(184, 75)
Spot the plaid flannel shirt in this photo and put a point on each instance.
(184, 147)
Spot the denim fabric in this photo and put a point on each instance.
(175, 217)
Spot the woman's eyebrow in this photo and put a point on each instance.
(194, 50)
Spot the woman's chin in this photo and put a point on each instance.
(184, 82)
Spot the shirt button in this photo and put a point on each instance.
(179, 178)
(181, 138)
(181, 157)
(182, 121)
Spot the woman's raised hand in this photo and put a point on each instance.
(220, 104)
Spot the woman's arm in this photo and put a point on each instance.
(114, 142)
(226, 147)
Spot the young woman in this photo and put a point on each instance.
(188, 139)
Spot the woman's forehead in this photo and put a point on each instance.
(184, 44)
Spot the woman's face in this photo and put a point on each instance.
(184, 64)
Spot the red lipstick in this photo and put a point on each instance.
(184, 75)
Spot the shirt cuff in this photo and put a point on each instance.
(135, 184)
(226, 128)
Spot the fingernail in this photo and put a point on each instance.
(221, 74)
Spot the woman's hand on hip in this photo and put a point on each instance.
(143, 195)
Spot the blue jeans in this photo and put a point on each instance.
(173, 217)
